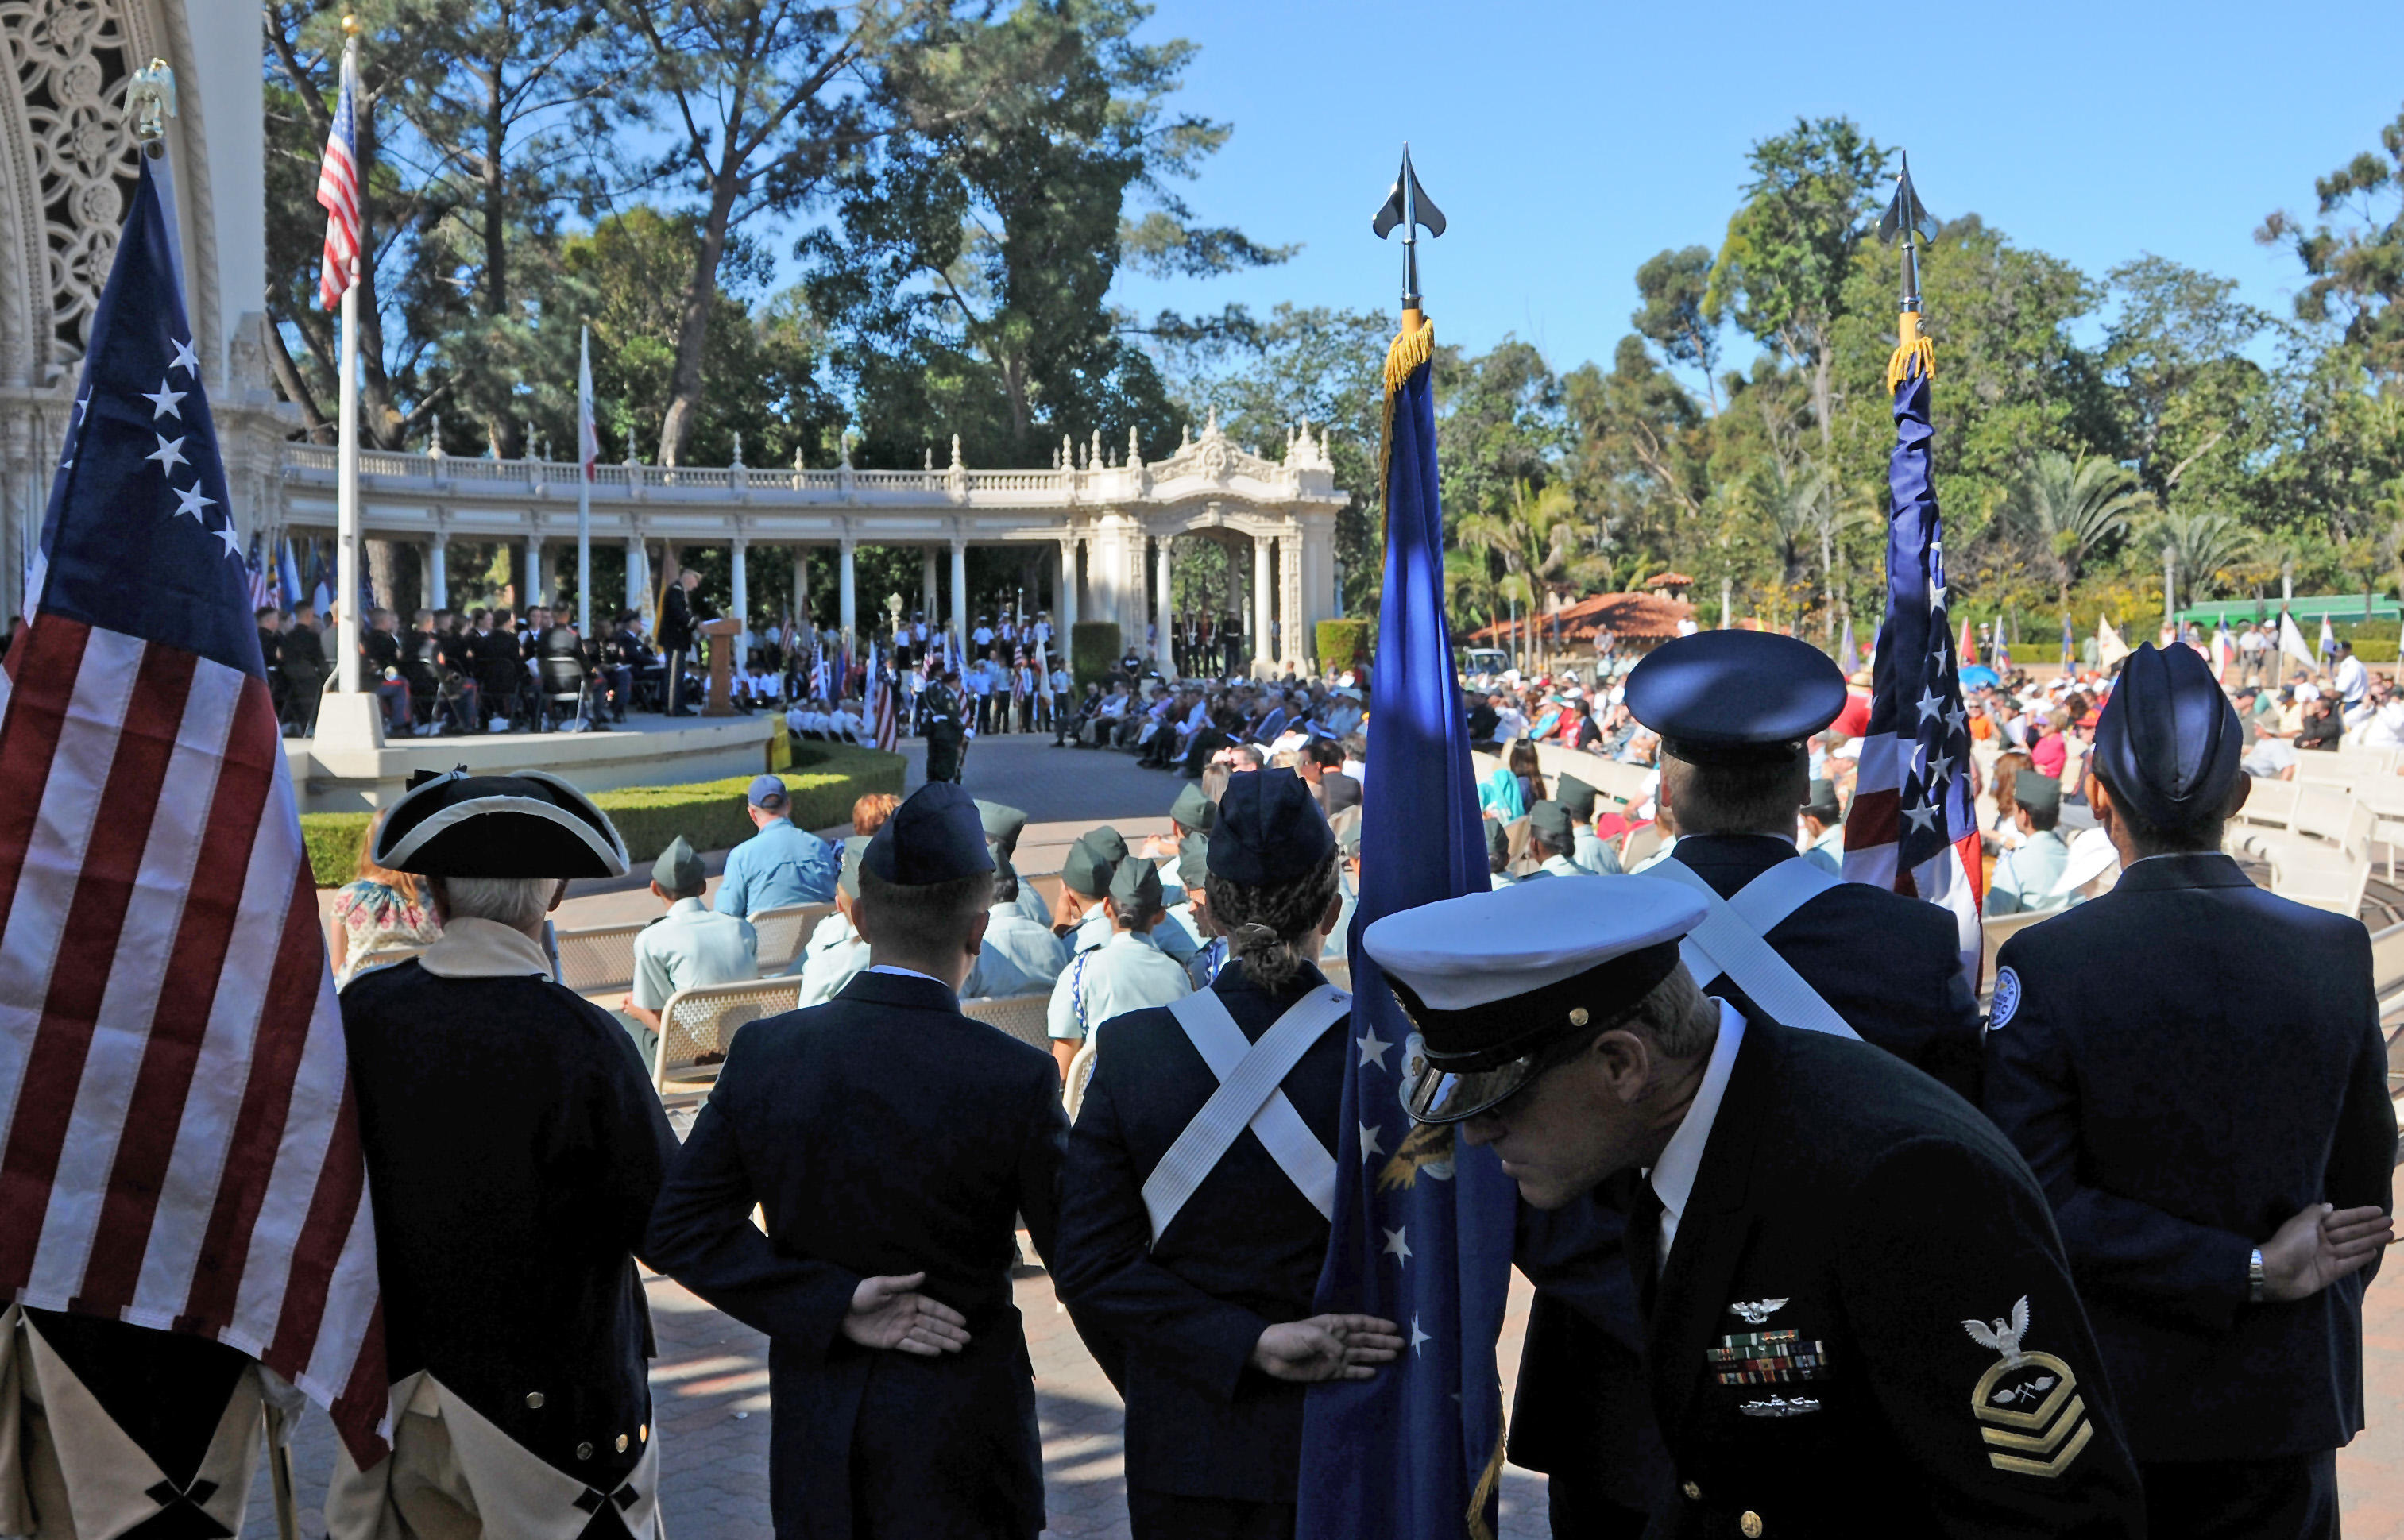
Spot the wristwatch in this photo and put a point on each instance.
(2254, 1279)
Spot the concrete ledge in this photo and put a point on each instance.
(327, 779)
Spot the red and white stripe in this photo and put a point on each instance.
(338, 193)
(176, 1125)
(1950, 879)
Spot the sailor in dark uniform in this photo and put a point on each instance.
(891, 1142)
(513, 1148)
(943, 720)
(2193, 1067)
(1735, 710)
(1196, 1292)
(1857, 1317)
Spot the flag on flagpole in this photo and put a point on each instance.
(1912, 827)
(1417, 1450)
(2291, 641)
(587, 434)
(288, 577)
(1848, 653)
(2069, 644)
(884, 718)
(1968, 650)
(338, 192)
(2109, 649)
(261, 582)
(181, 1148)
(2329, 638)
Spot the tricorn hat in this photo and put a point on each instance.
(526, 824)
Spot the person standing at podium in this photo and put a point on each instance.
(683, 606)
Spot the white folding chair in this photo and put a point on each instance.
(1024, 1016)
(782, 930)
(593, 958)
(698, 1024)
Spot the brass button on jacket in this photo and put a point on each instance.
(584, 1452)
(534, 1400)
(1693, 1494)
(1750, 1526)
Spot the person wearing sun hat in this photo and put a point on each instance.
(890, 1142)
(514, 1146)
(1192, 1280)
(2223, 1219)
(1810, 1225)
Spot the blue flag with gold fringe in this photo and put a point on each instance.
(1422, 1224)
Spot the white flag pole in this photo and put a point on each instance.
(346, 493)
(588, 450)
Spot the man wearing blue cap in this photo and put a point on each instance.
(1192, 1278)
(1854, 1312)
(1735, 710)
(2215, 1139)
(779, 866)
(891, 1142)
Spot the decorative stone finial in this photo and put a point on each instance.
(1135, 447)
(738, 449)
(956, 449)
(1210, 430)
(1095, 457)
(930, 460)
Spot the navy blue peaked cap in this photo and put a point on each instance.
(1729, 697)
(2168, 743)
(936, 836)
(1269, 830)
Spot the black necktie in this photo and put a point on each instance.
(1644, 1244)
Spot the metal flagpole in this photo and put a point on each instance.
(346, 494)
(587, 451)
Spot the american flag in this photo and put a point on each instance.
(338, 192)
(1911, 828)
(179, 1143)
(884, 722)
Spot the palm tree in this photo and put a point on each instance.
(2074, 506)
(2203, 546)
(1540, 539)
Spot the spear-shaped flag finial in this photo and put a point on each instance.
(1409, 206)
(1908, 221)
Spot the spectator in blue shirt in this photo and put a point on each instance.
(780, 865)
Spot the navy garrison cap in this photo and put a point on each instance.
(2168, 743)
(1734, 696)
(1270, 830)
(935, 836)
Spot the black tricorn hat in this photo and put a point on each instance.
(524, 823)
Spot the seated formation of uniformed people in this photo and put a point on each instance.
(1856, 1315)
(513, 1150)
(1085, 873)
(891, 1144)
(2025, 875)
(779, 866)
(1197, 1298)
(1031, 948)
(1126, 970)
(2214, 1136)
(1551, 838)
(836, 952)
(1591, 852)
(691, 944)
(1002, 826)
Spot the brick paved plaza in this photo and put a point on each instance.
(711, 1380)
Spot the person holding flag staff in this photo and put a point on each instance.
(1857, 1315)
(2222, 1221)
(514, 1148)
(1197, 1187)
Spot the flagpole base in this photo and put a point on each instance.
(351, 721)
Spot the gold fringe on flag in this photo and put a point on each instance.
(1477, 1527)
(1912, 355)
(1414, 346)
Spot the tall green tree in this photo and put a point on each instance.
(1675, 316)
(2075, 508)
(2354, 271)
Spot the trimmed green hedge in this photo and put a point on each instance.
(1345, 643)
(1093, 651)
(825, 781)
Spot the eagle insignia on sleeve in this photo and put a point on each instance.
(2031, 1414)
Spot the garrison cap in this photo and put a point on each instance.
(678, 870)
(1492, 979)
(524, 823)
(1734, 696)
(1549, 821)
(2037, 792)
(934, 835)
(1134, 887)
(1192, 810)
(2168, 743)
(1087, 867)
(1003, 825)
(1576, 796)
(854, 846)
(1194, 862)
(1270, 830)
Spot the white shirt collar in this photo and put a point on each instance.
(1672, 1176)
(470, 947)
(906, 973)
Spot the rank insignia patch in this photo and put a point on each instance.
(2033, 1421)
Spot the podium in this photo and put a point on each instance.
(722, 634)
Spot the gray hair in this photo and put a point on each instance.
(1680, 1017)
(518, 902)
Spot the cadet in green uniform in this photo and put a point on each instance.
(1127, 973)
(1551, 838)
(1498, 854)
(1085, 924)
(691, 944)
(1003, 825)
(1591, 853)
(2025, 877)
(828, 967)
(1032, 948)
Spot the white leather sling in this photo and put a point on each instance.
(1730, 941)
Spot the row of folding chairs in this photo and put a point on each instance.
(2316, 835)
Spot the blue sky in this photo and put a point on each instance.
(1568, 143)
